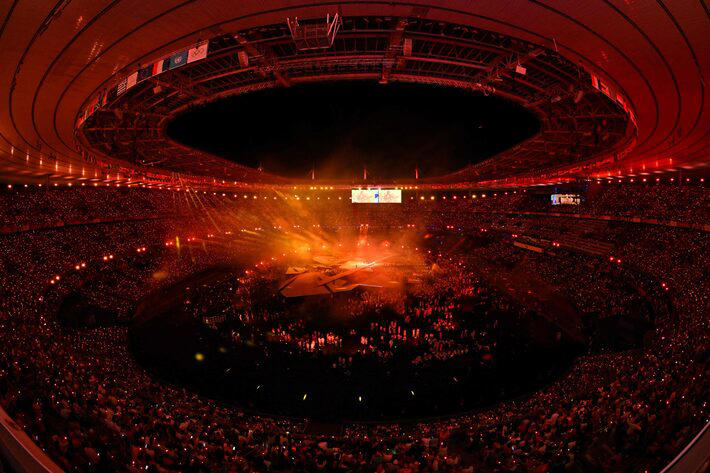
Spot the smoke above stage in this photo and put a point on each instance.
(362, 262)
(294, 228)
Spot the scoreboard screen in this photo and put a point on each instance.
(565, 199)
(376, 196)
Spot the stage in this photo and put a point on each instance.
(326, 275)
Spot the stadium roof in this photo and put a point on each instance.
(641, 67)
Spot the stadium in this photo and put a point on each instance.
(354, 236)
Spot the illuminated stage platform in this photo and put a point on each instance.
(328, 276)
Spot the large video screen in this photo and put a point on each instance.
(565, 199)
(376, 196)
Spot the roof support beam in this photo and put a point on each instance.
(269, 62)
(394, 51)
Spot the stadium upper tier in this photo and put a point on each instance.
(618, 86)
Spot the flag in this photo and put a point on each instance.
(621, 101)
(407, 47)
(178, 59)
(243, 58)
(158, 67)
(595, 82)
(521, 70)
(145, 73)
(605, 89)
(198, 52)
(632, 116)
(121, 88)
(131, 80)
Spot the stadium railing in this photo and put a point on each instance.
(20, 452)
(695, 457)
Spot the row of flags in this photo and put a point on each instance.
(604, 88)
(199, 51)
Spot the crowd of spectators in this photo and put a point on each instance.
(676, 202)
(48, 206)
(82, 398)
(42, 207)
(428, 324)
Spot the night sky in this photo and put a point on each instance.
(342, 126)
